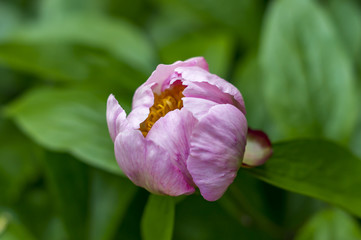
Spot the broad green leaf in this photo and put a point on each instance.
(331, 224)
(215, 46)
(68, 182)
(66, 120)
(308, 78)
(347, 18)
(158, 218)
(109, 199)
(81, 48)
(316, 168)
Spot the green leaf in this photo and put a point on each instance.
(309, 84)
(110, 198)
(216, 47)
(330, 224)
(346, 16)
(81, 48)
(68, 182)
(10, 229)
(19, 162)
(316, 168)
(242, 16)
(70, 121)
(158, 218)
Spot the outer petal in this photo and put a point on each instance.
(173, 132)
(258, 148)
(194, 76)
(217, 146)
(115, 117)
(149, 165)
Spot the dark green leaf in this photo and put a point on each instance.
(68, 181)
(308, 78)
(19, 162)
(109, 200)
(158, 218)
(216, 47)
(316, 168)
(12, 230)
(330, 224)
(67, 120)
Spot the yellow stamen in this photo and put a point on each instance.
(167, 101)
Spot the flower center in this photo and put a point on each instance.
(167, 101)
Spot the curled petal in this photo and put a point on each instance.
(193, 76)
(258, 148)
(149, 165)
(116, 117)
(172, 132)
(217, 147)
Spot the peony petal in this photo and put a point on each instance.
(194, 76)
(217, 147)
(116, 117)
(149, 165)
(258, 148)
(197, 106)
(172, 132)
(159, 80)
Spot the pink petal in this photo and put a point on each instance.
(258, 148)
(197, 79)
(159, 80)
(198, 106)
(172, 132)
(115, 116)
(149, 165)
(217, 146)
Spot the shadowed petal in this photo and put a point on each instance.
(115, 117)
(172, 132)
(217, 148)
(149, 165)
(258, 148)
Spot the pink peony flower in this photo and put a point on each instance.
(187, 129)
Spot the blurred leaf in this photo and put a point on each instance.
(308, 79)
(13, 230)
(347, 17)
(68, 181)
(330, 224)
(316, 168)
(248, 79)
(158, 218)
(72, 121)
(216, 47)
(242, 16)
(167, 25)
(19, 162)
(110, 197)
(197, 219)
(81, 48)
(9, 19)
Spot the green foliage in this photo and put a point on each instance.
(305, 67)
(158, 219)
(316, 168)
(296, 62)
(330, 224)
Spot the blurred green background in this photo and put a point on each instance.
(296, 62)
